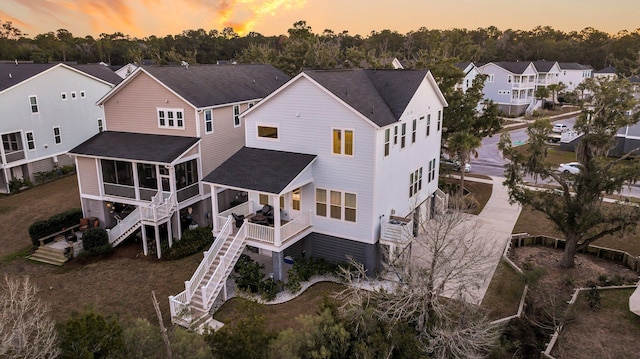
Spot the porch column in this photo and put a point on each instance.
(145, 246)
(169, 232)
(277, 241)
(214, 208)
(178, 223)
(278, 260)
(157, 233)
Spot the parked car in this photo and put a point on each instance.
(571, 167)
(453, 165)
(559, 128)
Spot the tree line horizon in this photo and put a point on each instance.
(302, 48)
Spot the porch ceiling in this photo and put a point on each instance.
(135, 146)
(260, 170)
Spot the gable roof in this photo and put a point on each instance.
(379, 95)
(246, 169)
(573, 66)
(543, 65)
(212, 85)
(102, 72)
(12, 74)
(606, 70)
(516, 67)
(135, 146)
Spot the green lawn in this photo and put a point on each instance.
(504, 293)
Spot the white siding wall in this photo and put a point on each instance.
(305, 115)
(77, 118)
(499, 83)
(392, 172)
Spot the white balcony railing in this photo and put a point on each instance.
(158, 209)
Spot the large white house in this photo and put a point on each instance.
(47, 109)
(346, 162)
(573, 74)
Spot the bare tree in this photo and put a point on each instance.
(436, 288)
(26, 329)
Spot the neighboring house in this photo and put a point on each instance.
(628, 137)
(510, 85)
(573, 74)
(47, 109)
(347, 159)
(608, 73)
(470, 71)
(165, 127)
(548, 72)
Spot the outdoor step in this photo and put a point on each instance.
(46, 260)
(48, 253)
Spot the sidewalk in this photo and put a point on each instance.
(493, 226)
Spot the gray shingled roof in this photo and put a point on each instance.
(462, 65)
(102, 72)
(211, 85)
(135, 146)
(574, 66)
(606, 70)
(543, 65)
(12, 74)
(260, 170)
(516, 67)
(380, 95)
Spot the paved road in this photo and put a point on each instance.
(491, 163)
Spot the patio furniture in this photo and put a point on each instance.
(259, 219)
(267, 212)
(239, 218)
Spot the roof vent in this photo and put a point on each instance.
(254, 81)
(346, 91)
(10, 76)
(372, 109)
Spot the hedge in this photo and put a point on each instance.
(54, 224)
(192, 241)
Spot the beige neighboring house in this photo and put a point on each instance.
(165, 128)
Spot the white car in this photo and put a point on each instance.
(454, 165)
(571, 167)
(559, 128)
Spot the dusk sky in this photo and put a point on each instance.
(141, 18)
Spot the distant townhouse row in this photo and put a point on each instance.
(512, 84)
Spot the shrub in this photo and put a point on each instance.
(269, 288)
(249, 276)
(593, 296)
(91, 335)
(303, 269)
(95, 241)
(54, 224)
(193, 241)
(16, 184)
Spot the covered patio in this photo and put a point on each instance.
(279, 201)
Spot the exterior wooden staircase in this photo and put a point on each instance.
(51, 254)
(191, 308)
(158, 210)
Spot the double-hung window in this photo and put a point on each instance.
(403, 135)
(439, 120)
(428, 124)
(170, 118)
(387, 144)
(56, 135)
(395, 135)
(33, 102)
(268, 132)
(208, 121)
(31, 143)
(432, 170)
(413, 130)
(415, 181)
(100, 125)
(342, 142)
(236, 115)
(336, 204)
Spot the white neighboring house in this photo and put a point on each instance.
(572, 74)
(510, 85)
(470, 72)
(342, 153)
(548, 72)
(606, 73)
(47, 109)
(338, 164)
